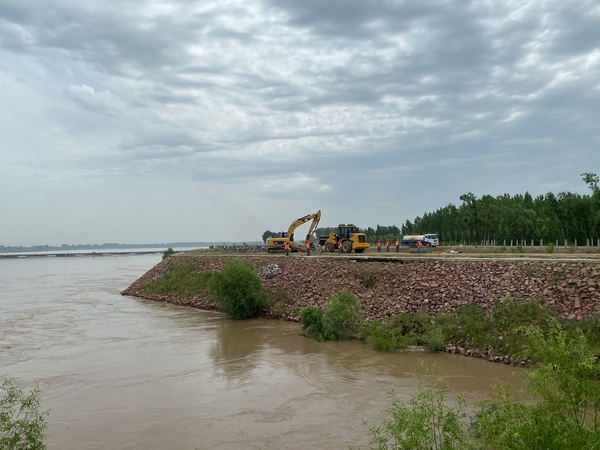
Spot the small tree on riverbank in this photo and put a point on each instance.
(238, 289)
(168, 252)
(22, 424)
(341, 320)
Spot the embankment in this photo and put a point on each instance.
(387, 287)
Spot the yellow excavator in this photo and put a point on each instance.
(276, 244)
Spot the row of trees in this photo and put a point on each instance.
(565, 217)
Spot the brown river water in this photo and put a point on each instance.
(124, 373)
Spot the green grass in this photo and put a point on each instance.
(181, 280)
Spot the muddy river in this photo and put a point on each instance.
(123, 373)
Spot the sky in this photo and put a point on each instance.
(183, 121)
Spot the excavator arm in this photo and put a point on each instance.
(302, 220)
(276, 244)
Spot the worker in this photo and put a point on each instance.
(378, 246)
(420, 245)
(286, 247)
(340, 246)
(387, 245)
(307, 247)
(397, 244)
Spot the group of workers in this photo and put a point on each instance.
(286, 246)
(396, 243)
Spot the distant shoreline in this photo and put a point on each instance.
(18, 255)
(110, 246)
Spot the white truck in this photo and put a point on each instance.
(426, 240)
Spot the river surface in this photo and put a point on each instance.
(124, 373)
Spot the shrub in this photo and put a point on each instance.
(565, 415)
(565, 380)
(311, 318)
(168, 252)
(238, 289)
(22, 424)
(550, 247)
(343, 317)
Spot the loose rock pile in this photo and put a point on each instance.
(386, 288)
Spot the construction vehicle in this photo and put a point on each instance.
(426, 240)
(277, 244)
(350, 238)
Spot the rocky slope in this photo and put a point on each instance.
(387, 287)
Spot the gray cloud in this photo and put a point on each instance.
(293, 106)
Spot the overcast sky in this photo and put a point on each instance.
(161, 121)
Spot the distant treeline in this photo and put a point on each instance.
(564, 218)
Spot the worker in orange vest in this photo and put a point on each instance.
(378, 246)
(387, 245)
(286, 247)
(307, 247)
(420, 245)
(397, 244)
(340, 245)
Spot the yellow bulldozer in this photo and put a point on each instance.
(350, 238)
(277, 244)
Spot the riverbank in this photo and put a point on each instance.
(387, 287)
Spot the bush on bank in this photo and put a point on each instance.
(22, 424)
(565, 415)
(341, 320)
(238, 289)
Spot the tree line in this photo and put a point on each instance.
(565, 218)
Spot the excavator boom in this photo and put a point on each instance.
(277, 244)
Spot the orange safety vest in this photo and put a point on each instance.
(420, 244)
(397, 243)
(307, 245)
(387, 243)
(286, 245)
(340, 244)
(378, 243)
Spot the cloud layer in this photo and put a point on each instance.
(150, 121)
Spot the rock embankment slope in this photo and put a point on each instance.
(387, 287)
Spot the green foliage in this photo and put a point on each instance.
(268, 234)
(238, 289)
(406, 330)
(426, 423)
(565, 381)
(565, 414)
(343, 317)
(470, 326)
(182, 280)
(311, 318)
(168, 252)
(22, 424)
(550, 247)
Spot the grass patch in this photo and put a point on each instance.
(182, 280)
